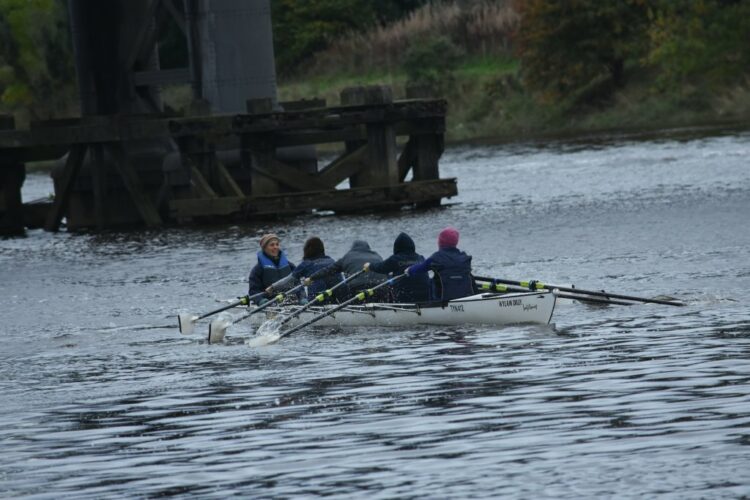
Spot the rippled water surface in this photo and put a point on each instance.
(101, 396)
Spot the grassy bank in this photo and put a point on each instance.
(674, 67)
(486, 102)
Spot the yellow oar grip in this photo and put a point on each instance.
(499, 288)
(538, 285)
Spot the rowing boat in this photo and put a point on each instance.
(481, 309)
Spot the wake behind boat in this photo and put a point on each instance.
(481, 309)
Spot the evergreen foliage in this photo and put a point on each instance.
(685, 54)
(564, 46)
(432, 62)
(303, 27)
(36, 66)
(700, 41)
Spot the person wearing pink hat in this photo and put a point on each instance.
(272, 265)
(451, 266)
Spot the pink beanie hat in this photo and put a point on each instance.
(448, 237)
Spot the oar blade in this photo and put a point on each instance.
(186, 323)
(216, 331)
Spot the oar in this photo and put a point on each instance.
(319, 298)
(217, 328)
(582, 298)
(537, 285)
(360, 296)
(186, 322)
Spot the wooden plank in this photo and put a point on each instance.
(140, 37)
(292, 177)
(132, 183)
(99, 184)
(70, 172)
(226, 181)
(317, 136)
(381, 159)
(12, 218)
(327, 124)
(343, 167)
(177, 15)
(429, 149)
(341, 200)
(161, 77)
(406, 159)
(200, 183)
(206, 207)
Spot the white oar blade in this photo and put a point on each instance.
(186, 322)
(216, 330)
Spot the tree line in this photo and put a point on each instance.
(684, 45)
(582, 49)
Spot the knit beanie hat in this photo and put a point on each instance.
(266, 239)
(313, 248)
(448, 237)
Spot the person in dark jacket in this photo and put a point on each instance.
(314, 259)
(411, 289)
(271, 267)
(452, 268)
(352, 262)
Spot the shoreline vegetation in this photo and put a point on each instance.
(510, 70)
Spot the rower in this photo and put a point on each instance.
(314, 259)
(451, 266)
(412, 289)
(272, 265)
(352, 262)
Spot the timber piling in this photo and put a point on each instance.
(231, 167)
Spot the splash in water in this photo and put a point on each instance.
(267, 333)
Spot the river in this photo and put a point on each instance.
(102, 397)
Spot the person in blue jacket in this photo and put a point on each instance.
(272, 265)
(451, 266)
(314, 259)
(411, 289)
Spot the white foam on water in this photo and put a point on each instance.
(267, 333)
(261, 340)
(269, 327)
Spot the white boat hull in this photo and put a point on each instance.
(483, 309)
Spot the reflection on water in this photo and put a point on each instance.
(102, 396)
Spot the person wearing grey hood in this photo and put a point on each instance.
(353, 262)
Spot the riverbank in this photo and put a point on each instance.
(486, 103)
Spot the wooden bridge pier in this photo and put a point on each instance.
(12, 174)
(227, 167)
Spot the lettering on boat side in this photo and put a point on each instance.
(529, 307)
(510, 303)
(459, 308)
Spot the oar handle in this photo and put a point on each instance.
(581, 298)
(242, 302)
(359, 296)
(322, 296)
(211, 313)
(276, 299)
(538, 285)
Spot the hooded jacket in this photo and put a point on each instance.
(352, 262)
(411, 289)
(452, 269)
